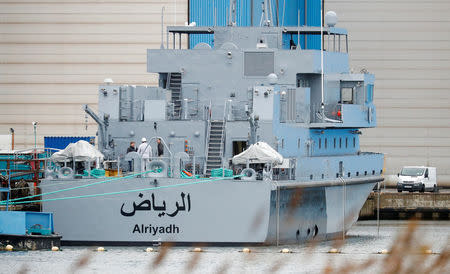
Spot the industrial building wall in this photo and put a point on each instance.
(54, 54)
(406, 43)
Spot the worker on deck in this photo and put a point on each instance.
(145, 151)
(131, 148)
(160, 147)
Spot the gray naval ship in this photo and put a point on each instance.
(261, 140)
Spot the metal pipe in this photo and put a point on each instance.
(251, 13)
(12, 138)
(306, 23)
(162, 27)
(101, 125)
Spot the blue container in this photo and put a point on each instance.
(22, 222)
(248, 13)
(61, 142)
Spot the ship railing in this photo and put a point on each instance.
(226, 110)
(334, 39)
(208, 131)
(332, 113)
(285, 171)
(191, 110)
(191, 168)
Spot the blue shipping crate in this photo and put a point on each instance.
(61, 142)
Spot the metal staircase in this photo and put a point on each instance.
(174, 84)
(215, 145)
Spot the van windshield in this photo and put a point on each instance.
(412, 171)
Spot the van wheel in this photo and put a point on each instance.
(399, 190)
(435, 189)
(422, 189)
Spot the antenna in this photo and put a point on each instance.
(266, 9)
(232, 16)
(298, 32)
(162, 27)
(270, 13)
(322, 106)
(214, 13)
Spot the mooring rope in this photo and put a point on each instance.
(55, 184)
(125, 191)
(77, 187)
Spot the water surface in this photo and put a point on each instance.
(362, 244)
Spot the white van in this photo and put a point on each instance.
(420, 178)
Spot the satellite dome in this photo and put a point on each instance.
(331, 19)
(273, 78)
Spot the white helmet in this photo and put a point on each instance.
(143, 140)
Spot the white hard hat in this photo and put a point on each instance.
(143, 139)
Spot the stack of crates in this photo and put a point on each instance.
(221, 172)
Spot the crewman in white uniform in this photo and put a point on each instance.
(145, 150)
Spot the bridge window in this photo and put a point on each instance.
(354, 142)
(298, 143)
(320, 143)
(369, 93)
(326, 145)
(334, 141)
(340, 142)
(347, 95)
(346, 142)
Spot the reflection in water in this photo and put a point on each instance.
(360, 248)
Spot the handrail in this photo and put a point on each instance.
(222, 145)
(169, 76)
(208, 133)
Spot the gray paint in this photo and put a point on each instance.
(200, 115)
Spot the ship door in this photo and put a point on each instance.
(239, 146)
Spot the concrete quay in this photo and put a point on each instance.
(405, 205)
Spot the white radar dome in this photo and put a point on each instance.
(331, 19)
(273, 78)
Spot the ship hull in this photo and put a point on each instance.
(183, 211)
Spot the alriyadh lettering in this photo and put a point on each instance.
(147, 205)
(152, 229)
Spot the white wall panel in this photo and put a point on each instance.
(406, 44)
(55, 53)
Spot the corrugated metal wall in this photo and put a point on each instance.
(248, 12)
(53, 55)
(406, 43)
